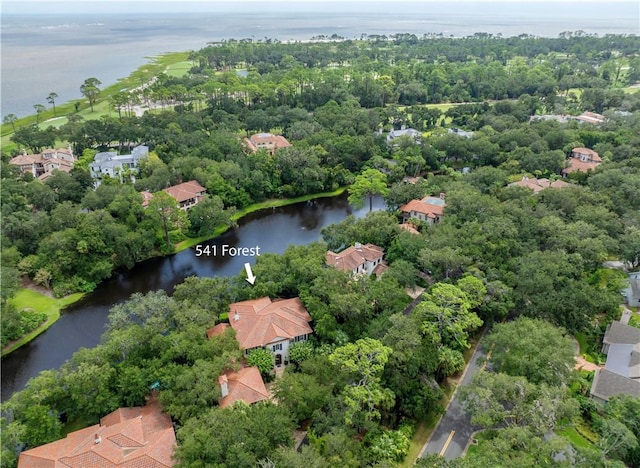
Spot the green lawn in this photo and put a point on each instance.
(574, 437)
(29, 299)
(581, 338)
(178, 70)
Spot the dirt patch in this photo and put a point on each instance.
(28, 284)
(582, 364)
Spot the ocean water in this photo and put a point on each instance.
(50, 50)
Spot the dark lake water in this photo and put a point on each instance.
(82, 324)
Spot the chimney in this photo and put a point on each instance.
(441, 195)
(224, 388)
(358, 246)
(97, 439)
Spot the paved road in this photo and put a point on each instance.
(455, 419)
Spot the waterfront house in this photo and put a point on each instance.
(358, 259)
(187, 194)
(429, 209)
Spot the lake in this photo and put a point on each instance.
(82, 324)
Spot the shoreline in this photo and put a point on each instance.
(53, 307)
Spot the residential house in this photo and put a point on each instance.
(621, 373)
(429, 209)
(632, 291)
(266, 141)
(41, 165)
(187, 194)
(245, 385)
(358, 259)
(127, 437)
(590, 118)
(460, 132)
(538, 185)
(582, 160)
(273, 325)
(410, 132)
(558, 118)
(110, 163)
(410, 228)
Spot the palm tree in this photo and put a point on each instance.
(10, 119)
(51, 99)
(39, 110)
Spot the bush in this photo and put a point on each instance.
(262, 359)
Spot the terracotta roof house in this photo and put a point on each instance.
(358, 259)
(621, 373)
(187, 194)
(45, 162)
(110, 163)
(429, 209)
(274, 325)
(128, 437)
(409, 228)
(267, 141)
(410, 132)
(538, 185)
(590, 118)
(245, 385)
(583, 160)
(217, 330)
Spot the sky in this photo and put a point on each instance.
(88, 6)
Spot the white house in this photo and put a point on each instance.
(273, 325)
(411, 132)
(111, 164)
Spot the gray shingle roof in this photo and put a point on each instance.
(621, 334)
(607, 384)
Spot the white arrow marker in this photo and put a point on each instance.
(250, 278)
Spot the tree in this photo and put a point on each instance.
(233, 437)
(208, 215)
(262, 359)
(11, 120)
(51, 99)
(447, 317)
(301, 394)
(364, 360)
(616, 439)
(367, 185)
(39, 108)
(497, 400)
(532, 348)
(90, 90)
(163, 210)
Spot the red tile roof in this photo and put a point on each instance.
(267, 141)
(539, 184)
(128, 437)
(259, 322)
(354, 256)
(409, 228)
(245, 385)
(577, 165)
(217, 330)
(431, 207)
(589, 153)
(185, 191)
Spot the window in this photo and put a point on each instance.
(277, 347)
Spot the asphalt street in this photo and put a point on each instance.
(455, 419)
